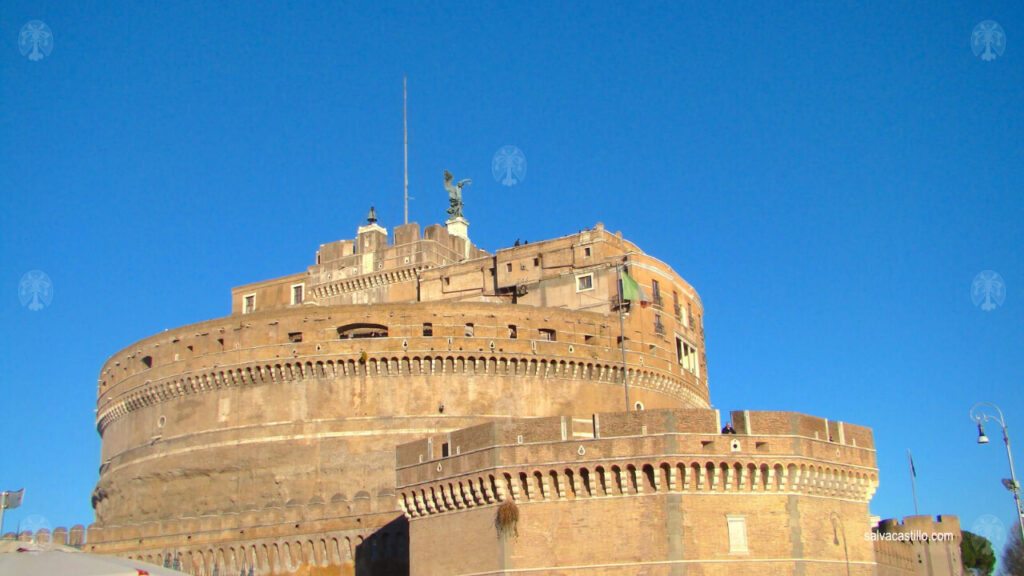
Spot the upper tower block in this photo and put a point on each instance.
(575, 272)
(364, 270)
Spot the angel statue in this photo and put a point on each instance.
(454, 194)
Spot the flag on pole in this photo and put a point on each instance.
(632, 291)
(11, 499)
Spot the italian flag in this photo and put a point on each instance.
(634, 292)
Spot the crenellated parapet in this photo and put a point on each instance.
(918, 546)
(921, 528)
(44, 537)
(628, 454)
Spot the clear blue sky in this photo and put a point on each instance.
(830, 176)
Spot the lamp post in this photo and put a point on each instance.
(979, 416)
(837, 527)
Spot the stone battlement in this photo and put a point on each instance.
(918, 546)
(622, 454)
(916, 527)
(75, 537)
(703, 423)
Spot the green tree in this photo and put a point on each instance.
(1013, 555)
(976, 552)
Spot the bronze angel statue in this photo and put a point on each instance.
(454, 194)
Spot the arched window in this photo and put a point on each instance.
(362, 330)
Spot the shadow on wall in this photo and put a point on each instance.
(386, 551)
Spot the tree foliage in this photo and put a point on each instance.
(1013, 555)
(977, 555)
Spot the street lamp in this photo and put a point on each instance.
(979, 416)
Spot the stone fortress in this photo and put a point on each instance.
(377, 414)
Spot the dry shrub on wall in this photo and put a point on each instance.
(507, 519)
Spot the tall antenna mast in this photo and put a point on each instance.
(405, 146)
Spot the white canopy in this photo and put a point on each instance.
(27, 560)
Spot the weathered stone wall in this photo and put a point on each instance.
(654, 496)
(919, 546)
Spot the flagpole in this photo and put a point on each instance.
(622, 333)
(405, 149)
(913, 480)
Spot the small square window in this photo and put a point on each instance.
(512, 332)
(250, 304)
(295, 336)
(428, 329)
(547, 334)
(584, 282)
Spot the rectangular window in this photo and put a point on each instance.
(547, 334)
(250, 304)
(655, 293)
(428, 329)
(297, 294)
(584, 283)
(295, 336)
(659, 328)
(536, 262)
(737, 534)
(686, 355)
(508, 267)
(444, 450)
(586, 252)
(512, 332)
(469, 330)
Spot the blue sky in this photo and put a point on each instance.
(830, 176)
